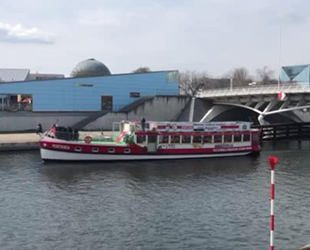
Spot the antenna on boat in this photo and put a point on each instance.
(280, 50)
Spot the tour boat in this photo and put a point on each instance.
(153, 141)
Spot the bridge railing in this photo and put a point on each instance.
(256, 90)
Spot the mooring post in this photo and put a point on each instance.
(272, 161)
(299, 133)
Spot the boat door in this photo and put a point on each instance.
(152, 144)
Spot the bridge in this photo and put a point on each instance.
(262, 100)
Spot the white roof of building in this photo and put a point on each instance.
(13, 75)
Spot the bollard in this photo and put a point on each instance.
(272, 161)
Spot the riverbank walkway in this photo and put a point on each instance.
(29, 141)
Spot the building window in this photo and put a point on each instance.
(172, 76)
(134, 94)
(107, 103)
(86, 85)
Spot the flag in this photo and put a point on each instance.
(281, 95)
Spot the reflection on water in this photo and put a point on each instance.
(220, 203)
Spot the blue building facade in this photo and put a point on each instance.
(111, 93)
(299, 74)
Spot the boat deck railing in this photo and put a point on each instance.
(80, 136)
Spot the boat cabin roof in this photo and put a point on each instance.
(164, 126)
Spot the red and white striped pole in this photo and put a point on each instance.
(272, 162)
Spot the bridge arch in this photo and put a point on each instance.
(219, 108)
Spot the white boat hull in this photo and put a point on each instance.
(53, 155)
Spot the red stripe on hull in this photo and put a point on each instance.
(132, 149)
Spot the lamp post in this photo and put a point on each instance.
(280, 48)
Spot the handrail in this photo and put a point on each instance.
(256, 90)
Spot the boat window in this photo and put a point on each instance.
(141, 139)
(78, 149)
(152, 138)
(227, 138)
(186, 139)
(127, 150)
(163, 138)
(217, 139)
(111, 150)
(197, 139)
(237, 138)
(207, 139)
(175, 139)
(95, 150)
(246, 137)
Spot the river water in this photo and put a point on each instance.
(221, 203)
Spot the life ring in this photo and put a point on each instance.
(87, 139)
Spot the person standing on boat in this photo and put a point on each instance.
(53, 130)
(39, 129)
(143, 123)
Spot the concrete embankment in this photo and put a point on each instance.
(29, 141)
(15, 142)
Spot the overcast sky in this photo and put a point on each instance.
(52, 36)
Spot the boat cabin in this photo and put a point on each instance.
(184, 134)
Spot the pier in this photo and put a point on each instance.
(29, 141)
(286, 132)
(21, 141)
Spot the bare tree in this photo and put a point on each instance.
(240, 77)
(192, 82)
(266, 75)
(142, 70)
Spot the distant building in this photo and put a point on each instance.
(21, 90)
(40, 76)
(19, 75)
(299, 74)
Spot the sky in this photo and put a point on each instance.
(215, 36)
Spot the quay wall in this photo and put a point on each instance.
(159, 108)
(27, 121)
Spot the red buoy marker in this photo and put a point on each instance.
(272, 161)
